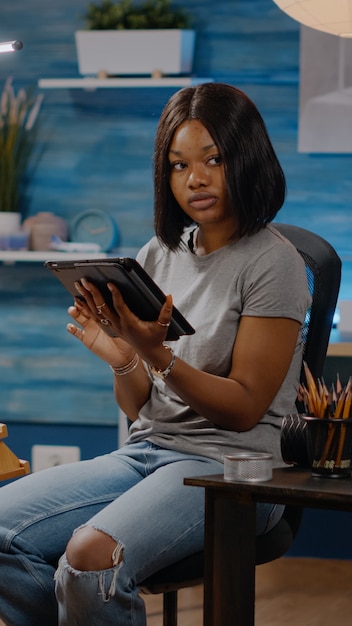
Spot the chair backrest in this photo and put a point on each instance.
(323, 267)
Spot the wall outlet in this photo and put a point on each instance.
(49, 456)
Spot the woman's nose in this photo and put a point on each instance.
(198, 176)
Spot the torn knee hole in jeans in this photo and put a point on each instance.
(106, 578)
(104, 546)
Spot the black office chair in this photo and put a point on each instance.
(323, 268)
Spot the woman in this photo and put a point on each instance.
(117, 519)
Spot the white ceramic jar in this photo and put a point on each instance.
(42, 227)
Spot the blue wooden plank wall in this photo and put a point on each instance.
(95, 149)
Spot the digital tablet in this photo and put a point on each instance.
(141, 294)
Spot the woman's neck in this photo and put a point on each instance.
(207, 241)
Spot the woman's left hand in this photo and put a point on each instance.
(118, 320)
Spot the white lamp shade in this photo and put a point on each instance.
(330, 16)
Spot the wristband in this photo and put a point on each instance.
(164, 373)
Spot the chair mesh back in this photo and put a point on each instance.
(323, 268)
(313, 287)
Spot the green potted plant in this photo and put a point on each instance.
(18, 122)
(149, 38)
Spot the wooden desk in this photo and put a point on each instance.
(230, 517)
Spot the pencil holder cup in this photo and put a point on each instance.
(330, 446)
(296, 443)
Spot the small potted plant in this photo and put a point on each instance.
(18, 121)
(121, 38)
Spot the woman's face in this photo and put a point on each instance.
(197, 177)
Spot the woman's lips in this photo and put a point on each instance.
(201, 201)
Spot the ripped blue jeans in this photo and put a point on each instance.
(135, 495)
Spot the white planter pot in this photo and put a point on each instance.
(135, 52)
(10, 222)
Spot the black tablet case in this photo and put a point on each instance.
(141, 294)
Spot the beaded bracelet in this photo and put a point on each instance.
(126, 369)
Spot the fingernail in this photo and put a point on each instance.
(78, 287)
(85, 284)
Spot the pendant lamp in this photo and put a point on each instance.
(329, 16)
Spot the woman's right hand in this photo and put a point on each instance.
(86, 329)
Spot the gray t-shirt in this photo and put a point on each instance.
(263, 276)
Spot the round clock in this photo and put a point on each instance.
(95, 226)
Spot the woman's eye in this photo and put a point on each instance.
(215, 160)
(178, 166)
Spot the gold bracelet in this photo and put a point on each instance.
(126, 369)
(164, 373)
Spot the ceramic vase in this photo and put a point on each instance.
(42, 227)
(10, 222)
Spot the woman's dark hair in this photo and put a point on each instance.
(255, 181)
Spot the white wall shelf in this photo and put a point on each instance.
(92, 83)
(10, 257)
(29, 256)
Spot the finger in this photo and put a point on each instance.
(101, 307)
(120, 307)
(92, 290)
(80, 317)
(117, 298)
(95, 300)
(77, 314)
(88, 329)
(75, 331)
(85, 293)
(82, 307)
(164, 317)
